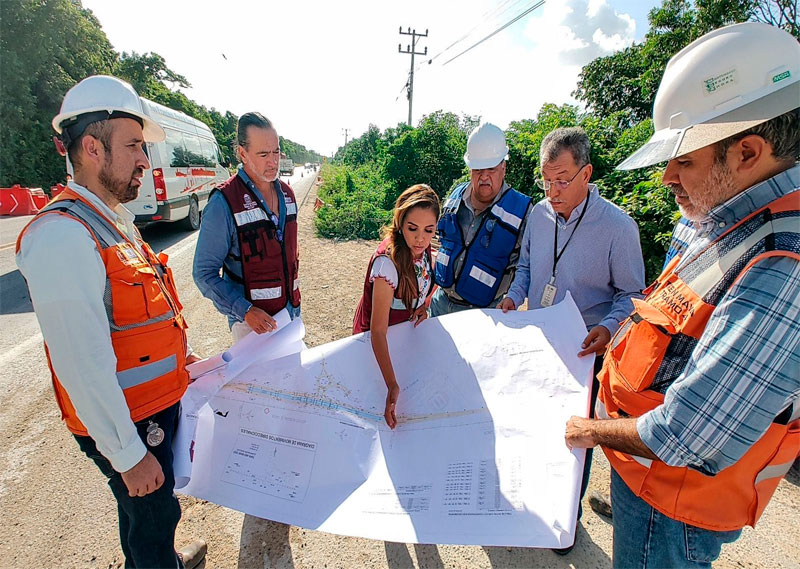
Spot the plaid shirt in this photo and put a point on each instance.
(745, 369)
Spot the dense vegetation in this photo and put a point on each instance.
(368, 174)
(49, 45)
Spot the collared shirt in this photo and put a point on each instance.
(218, 245)
(745, 369)
(601, 267)
(67, 279)
(469, 222)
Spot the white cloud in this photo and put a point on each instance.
(578, 31)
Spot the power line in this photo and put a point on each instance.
(496, 12)
(497, 31)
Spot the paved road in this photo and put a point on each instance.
(56, 512)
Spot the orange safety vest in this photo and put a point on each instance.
(148, 332)
(651, 350)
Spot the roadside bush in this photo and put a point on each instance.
(353, 199)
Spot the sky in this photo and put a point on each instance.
(317, 67)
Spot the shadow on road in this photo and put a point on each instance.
(162, 235)
(14, 297)
(793, 476)
(264, 543)
(398, 557)
(585, 554)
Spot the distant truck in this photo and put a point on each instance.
(286, 167)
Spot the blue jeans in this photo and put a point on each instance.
(441, 304)
(645, 538)
(146, 523)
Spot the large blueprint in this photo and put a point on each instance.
(478, 457)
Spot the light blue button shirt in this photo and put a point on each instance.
(602, 267)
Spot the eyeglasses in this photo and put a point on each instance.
(559, 184)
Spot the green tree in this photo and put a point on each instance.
(432, 153)
(524, 139)
(628, 80)
(47, 47)
(369, 147)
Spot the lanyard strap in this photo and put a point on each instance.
(556, 256)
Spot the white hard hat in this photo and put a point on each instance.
(721, 84)
(101, 97)
(486, 147)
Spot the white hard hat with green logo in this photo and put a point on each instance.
(721, 84)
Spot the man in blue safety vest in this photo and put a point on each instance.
(480, 230)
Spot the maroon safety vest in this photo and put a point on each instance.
(269, 265)
(398, 312)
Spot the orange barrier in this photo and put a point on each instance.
(57, 189)
(18, 201)
(39, 198)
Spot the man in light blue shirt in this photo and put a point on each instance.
(578, 241)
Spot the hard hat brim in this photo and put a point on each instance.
(667, 144)
(483, 163)
(151, 130)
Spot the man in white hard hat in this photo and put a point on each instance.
(595, 252)
(114, 335)
(698, 400)
(480, 230)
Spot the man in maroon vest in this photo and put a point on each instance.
(249, 233)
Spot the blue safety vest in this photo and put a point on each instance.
(487, 255)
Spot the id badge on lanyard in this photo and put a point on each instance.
(549, 295)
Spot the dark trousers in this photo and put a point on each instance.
(146, 523)
(587, 464)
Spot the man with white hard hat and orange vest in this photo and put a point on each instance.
(114, 335)
(480, 230)
(698, 407)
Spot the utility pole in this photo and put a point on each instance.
(346, 131)
(411, 49)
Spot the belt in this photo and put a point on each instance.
(456, 301)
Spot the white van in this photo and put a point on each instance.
(184, 168)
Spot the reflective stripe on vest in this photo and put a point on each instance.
(267, 253)
(148, 336)
(653, 347)
(107, 237)
(147, 372)
(487, 254)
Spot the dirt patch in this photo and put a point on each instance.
(331, 278)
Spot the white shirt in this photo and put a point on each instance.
(383, 267)
(66, 278)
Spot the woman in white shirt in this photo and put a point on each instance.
(399, 279)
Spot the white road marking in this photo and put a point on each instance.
(20, 349)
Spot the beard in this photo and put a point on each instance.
(121, 188)
(716, 188)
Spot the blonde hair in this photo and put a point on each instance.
(417, 196)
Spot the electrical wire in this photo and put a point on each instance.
(497, 11)
(497, 31)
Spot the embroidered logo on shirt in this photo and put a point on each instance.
(248, 202)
